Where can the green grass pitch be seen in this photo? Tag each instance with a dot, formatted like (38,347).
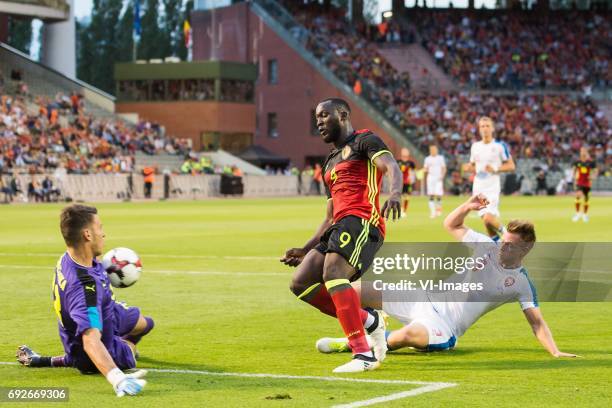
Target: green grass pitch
(221,303)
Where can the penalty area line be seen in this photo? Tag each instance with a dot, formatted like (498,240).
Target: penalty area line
(424,386)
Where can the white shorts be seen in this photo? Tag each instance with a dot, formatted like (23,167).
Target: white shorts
(441,337)
(435,187)
(493,207)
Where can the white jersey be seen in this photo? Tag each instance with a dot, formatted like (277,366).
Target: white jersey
(500,286)
(435,165)
(482,154)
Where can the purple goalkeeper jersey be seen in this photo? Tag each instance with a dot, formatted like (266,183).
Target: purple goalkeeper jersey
(82,299)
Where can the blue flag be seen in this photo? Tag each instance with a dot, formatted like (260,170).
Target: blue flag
(137,25)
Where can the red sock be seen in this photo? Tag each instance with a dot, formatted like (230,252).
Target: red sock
(319,297)
(577,203)
(586,207)
(348,311)
(405,205)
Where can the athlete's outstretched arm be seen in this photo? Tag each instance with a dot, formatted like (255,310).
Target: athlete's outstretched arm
(294,256)
(386,164)
(543,333)
(454,221)
(97,352)
(99,355)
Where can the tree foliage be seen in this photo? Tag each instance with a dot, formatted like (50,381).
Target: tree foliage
(109,37)
(20,33)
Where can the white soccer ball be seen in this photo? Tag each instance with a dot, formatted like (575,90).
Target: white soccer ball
(123,267)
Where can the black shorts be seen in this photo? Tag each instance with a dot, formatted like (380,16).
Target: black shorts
(585,190)
(355,239)
(407,189)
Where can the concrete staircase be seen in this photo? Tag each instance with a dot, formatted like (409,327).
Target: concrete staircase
(44,81)
(425,75)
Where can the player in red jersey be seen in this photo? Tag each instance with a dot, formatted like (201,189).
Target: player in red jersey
(344,246)
(584,172)
(407,166)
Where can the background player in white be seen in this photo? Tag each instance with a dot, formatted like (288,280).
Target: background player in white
(435,170)
(489,158)
(434,325)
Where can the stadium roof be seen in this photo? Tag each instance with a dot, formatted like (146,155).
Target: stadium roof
(43,9)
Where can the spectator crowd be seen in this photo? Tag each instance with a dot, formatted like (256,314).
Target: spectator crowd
(533,126)
(486,50)
(38,134)
(519,49)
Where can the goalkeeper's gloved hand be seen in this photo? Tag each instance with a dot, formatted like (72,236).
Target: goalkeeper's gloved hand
(130,384)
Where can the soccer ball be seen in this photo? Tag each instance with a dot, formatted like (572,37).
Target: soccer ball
(123,267)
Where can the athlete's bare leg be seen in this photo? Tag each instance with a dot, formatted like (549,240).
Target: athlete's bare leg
(413,335)
(308,272)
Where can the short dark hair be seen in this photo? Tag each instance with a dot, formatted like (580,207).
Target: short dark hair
(72,221)
(338,103)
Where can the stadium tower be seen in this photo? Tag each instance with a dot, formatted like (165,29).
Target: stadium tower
(58,35)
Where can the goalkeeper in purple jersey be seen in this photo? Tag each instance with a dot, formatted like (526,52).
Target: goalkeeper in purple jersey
(98,333)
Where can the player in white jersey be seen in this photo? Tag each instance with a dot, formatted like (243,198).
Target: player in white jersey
(435,170)
(489,158)
(434,324)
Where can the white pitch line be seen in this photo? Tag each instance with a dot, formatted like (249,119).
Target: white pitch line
(145,255)
(290,377)
(163,272)
(392,397)
(425,386)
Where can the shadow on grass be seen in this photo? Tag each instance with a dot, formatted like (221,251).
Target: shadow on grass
(148,362)
(480,358)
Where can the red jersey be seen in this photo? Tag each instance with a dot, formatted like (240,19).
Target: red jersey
(584,172)
(352,180)
(406,166)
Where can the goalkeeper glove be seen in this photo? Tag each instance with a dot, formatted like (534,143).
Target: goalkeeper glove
(130,384)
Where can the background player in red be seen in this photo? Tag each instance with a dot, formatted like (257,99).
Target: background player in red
(344,245)
(407,166)
(584,172)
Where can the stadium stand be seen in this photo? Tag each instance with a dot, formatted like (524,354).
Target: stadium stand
(40,134)
(50,124)
(519,49)
(534,124)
